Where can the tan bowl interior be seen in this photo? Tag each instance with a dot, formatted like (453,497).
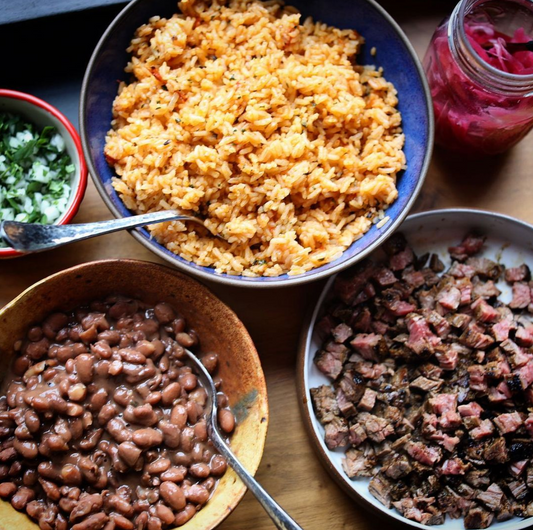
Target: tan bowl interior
(219,330)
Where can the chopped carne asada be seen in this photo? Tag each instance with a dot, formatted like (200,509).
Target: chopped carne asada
(431,392)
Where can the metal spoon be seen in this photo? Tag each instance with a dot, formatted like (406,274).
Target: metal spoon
(28,237)
(281,519)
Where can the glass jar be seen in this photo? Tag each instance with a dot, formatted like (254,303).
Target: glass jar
(482,95)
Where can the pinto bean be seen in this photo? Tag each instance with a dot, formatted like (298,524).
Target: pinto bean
(21,364)
(85,367)
(50,489)
(119,504)
(111,336)
(22,497)
(107,413)
(154,523)
(22,432)
(145,347)
(197,494)
(123,396)
(121,522)
(71,475)
(129,452)
(37,350)
(8,454)
(178,416)
(132,356)
(210,361)
(185,515)
(153,398)
(174,474)
(143,415)
(53,323)
(164,513)
(86,505)
(93,522)
(101,349)
(164,313)
(98,399)
(226,420)
(157,466)
(32,421)
(48,471)
(141,521)
(61,522)
(173,495)
(7,489)
(148,437)
(170,393)
(91,440)
(77,392)
(116,427)
(74,410)
(171,434)
(218,465)
(29,478)
(200,470)
(26,448)
(188,381)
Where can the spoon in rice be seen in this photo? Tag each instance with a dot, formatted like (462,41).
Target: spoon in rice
(281,519)
(29,237)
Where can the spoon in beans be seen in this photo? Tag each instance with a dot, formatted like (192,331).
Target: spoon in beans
(30,237)
(281,519)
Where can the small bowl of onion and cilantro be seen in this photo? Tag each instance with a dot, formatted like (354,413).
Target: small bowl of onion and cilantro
(43,175)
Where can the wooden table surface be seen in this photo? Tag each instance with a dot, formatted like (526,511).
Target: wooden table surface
(290,470)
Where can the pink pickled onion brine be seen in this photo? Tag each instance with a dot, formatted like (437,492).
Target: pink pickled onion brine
(489,44)
(469,117)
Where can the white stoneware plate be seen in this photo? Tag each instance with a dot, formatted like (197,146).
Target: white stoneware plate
(509,241)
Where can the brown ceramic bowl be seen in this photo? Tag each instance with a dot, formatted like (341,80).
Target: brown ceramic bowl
(219,330)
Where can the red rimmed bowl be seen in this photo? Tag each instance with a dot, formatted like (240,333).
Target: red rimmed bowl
(42,114)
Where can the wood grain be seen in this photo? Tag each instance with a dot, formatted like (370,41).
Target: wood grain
(290,470)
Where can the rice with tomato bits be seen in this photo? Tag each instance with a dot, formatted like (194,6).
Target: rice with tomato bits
(239,113)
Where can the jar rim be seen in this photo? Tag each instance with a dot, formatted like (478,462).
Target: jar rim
(457,19)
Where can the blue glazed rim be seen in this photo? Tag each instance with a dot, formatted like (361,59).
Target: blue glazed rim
(356,252)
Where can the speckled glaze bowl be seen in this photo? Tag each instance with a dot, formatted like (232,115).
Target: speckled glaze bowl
(394,54)
(219,330)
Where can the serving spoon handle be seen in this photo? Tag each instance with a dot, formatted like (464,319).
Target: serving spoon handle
(279,516)
(29,237)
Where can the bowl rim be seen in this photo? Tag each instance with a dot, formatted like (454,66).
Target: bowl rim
(260,282)
(304,342)
(81,187)
(261,428)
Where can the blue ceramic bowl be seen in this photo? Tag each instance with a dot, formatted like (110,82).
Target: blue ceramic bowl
(394,53)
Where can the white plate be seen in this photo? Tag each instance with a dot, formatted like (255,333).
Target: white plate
(509,241)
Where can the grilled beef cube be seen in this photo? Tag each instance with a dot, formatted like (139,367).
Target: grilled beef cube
(384,277)
(478,478)
(352,385)
(518,489)
(349,284)
(517,274)
(521,295)
(435,264)
(478,518)
(324,403)
(380,487)
(485,268)
(396,243)
(341,333)
(398,467)
(336,433)
(492,497)
(470,245)
(330,360)
(485,290)
(496,451)
(356,464)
